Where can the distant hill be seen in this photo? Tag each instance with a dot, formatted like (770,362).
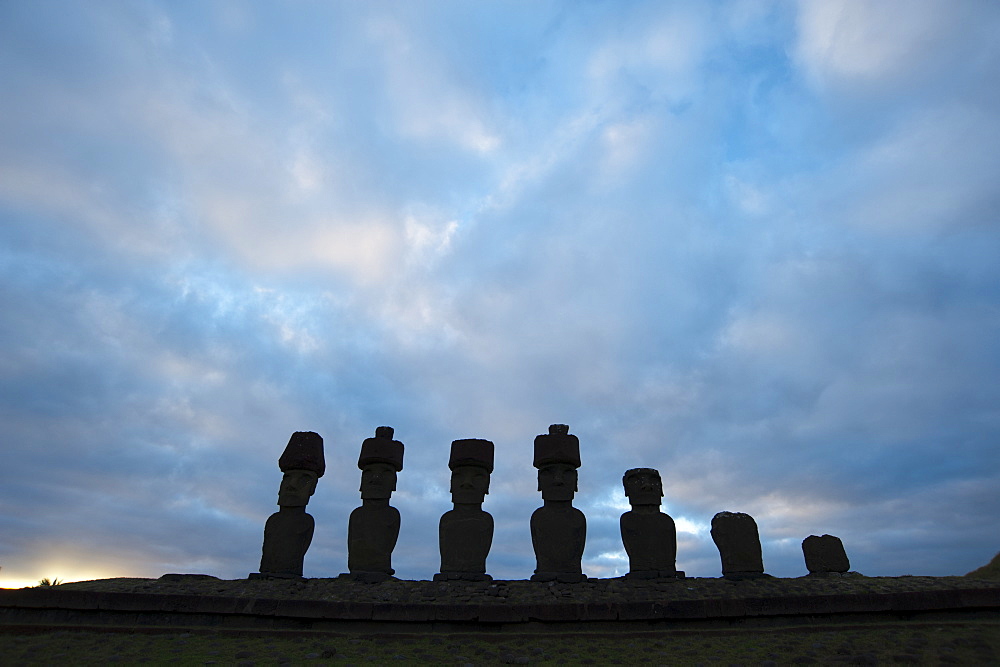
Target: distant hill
(989,571)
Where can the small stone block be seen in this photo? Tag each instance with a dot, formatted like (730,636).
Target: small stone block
(462,576)
(825,554)
(455,612)
(368,577)
(275,575)
(501,613)
(561,577)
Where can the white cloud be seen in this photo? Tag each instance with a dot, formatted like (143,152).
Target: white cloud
(938,169)
(428,239)
(750,199)
(626,146)
(306,170)
(661,51)
(427,103)
(763,334)
(540,161)
(691,527)
(860,43)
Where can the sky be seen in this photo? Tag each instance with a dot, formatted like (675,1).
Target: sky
(750,244)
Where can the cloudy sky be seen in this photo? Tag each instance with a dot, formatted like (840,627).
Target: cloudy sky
(752,244)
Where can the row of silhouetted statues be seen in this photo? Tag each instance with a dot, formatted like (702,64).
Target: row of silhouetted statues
(465,533)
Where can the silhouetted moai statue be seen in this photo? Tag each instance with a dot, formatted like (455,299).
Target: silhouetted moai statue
(825,555)
(466,532)
(649,535)
(289,531)
(735,534)
(558,530)
(374,527)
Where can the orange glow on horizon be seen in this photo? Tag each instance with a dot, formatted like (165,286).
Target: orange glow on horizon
(51,569)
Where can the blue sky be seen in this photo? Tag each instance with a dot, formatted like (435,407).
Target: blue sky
(750,244)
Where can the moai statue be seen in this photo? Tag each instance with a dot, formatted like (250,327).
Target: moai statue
(649,535)
(735,534)
(289,531)
(466,532)
(374,527)
(825,555)
(558,530)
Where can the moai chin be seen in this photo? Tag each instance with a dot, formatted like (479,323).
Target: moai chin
(558,530)
(289,531)
(735,534)
(825,555)
(374,527)
(649,535)
(465,533)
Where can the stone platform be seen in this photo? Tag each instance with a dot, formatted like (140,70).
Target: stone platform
(608,605)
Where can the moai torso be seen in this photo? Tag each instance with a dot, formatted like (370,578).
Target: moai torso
(287,536)
(650,540)
(558,535)
(465,535)
(289,531)
(371,537)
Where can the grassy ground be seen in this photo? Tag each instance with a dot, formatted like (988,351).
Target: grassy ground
(989,571)
(964,643)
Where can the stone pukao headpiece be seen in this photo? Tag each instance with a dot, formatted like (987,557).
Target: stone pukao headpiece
(558,446)
(382,449)
(471,452)
(304,451)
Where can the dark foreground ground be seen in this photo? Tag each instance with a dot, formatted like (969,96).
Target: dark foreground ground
(967,643)
(968,638)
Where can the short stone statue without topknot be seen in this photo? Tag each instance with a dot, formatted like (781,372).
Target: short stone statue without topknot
(374,527)
(558,530)
(738,540)
(649,535)
(465,533)
(289,531)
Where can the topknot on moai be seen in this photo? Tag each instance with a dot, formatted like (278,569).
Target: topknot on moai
(558,530)
(304,451)
(382,449)
(289,531)
(736,536)
(465,533)
(649,535)
(557,446)
(471,452)
(373,528)
(825,555)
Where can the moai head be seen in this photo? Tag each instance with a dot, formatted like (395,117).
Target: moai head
(471,463)
(557,456)
(303,464)
(643,486)
(381,458)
